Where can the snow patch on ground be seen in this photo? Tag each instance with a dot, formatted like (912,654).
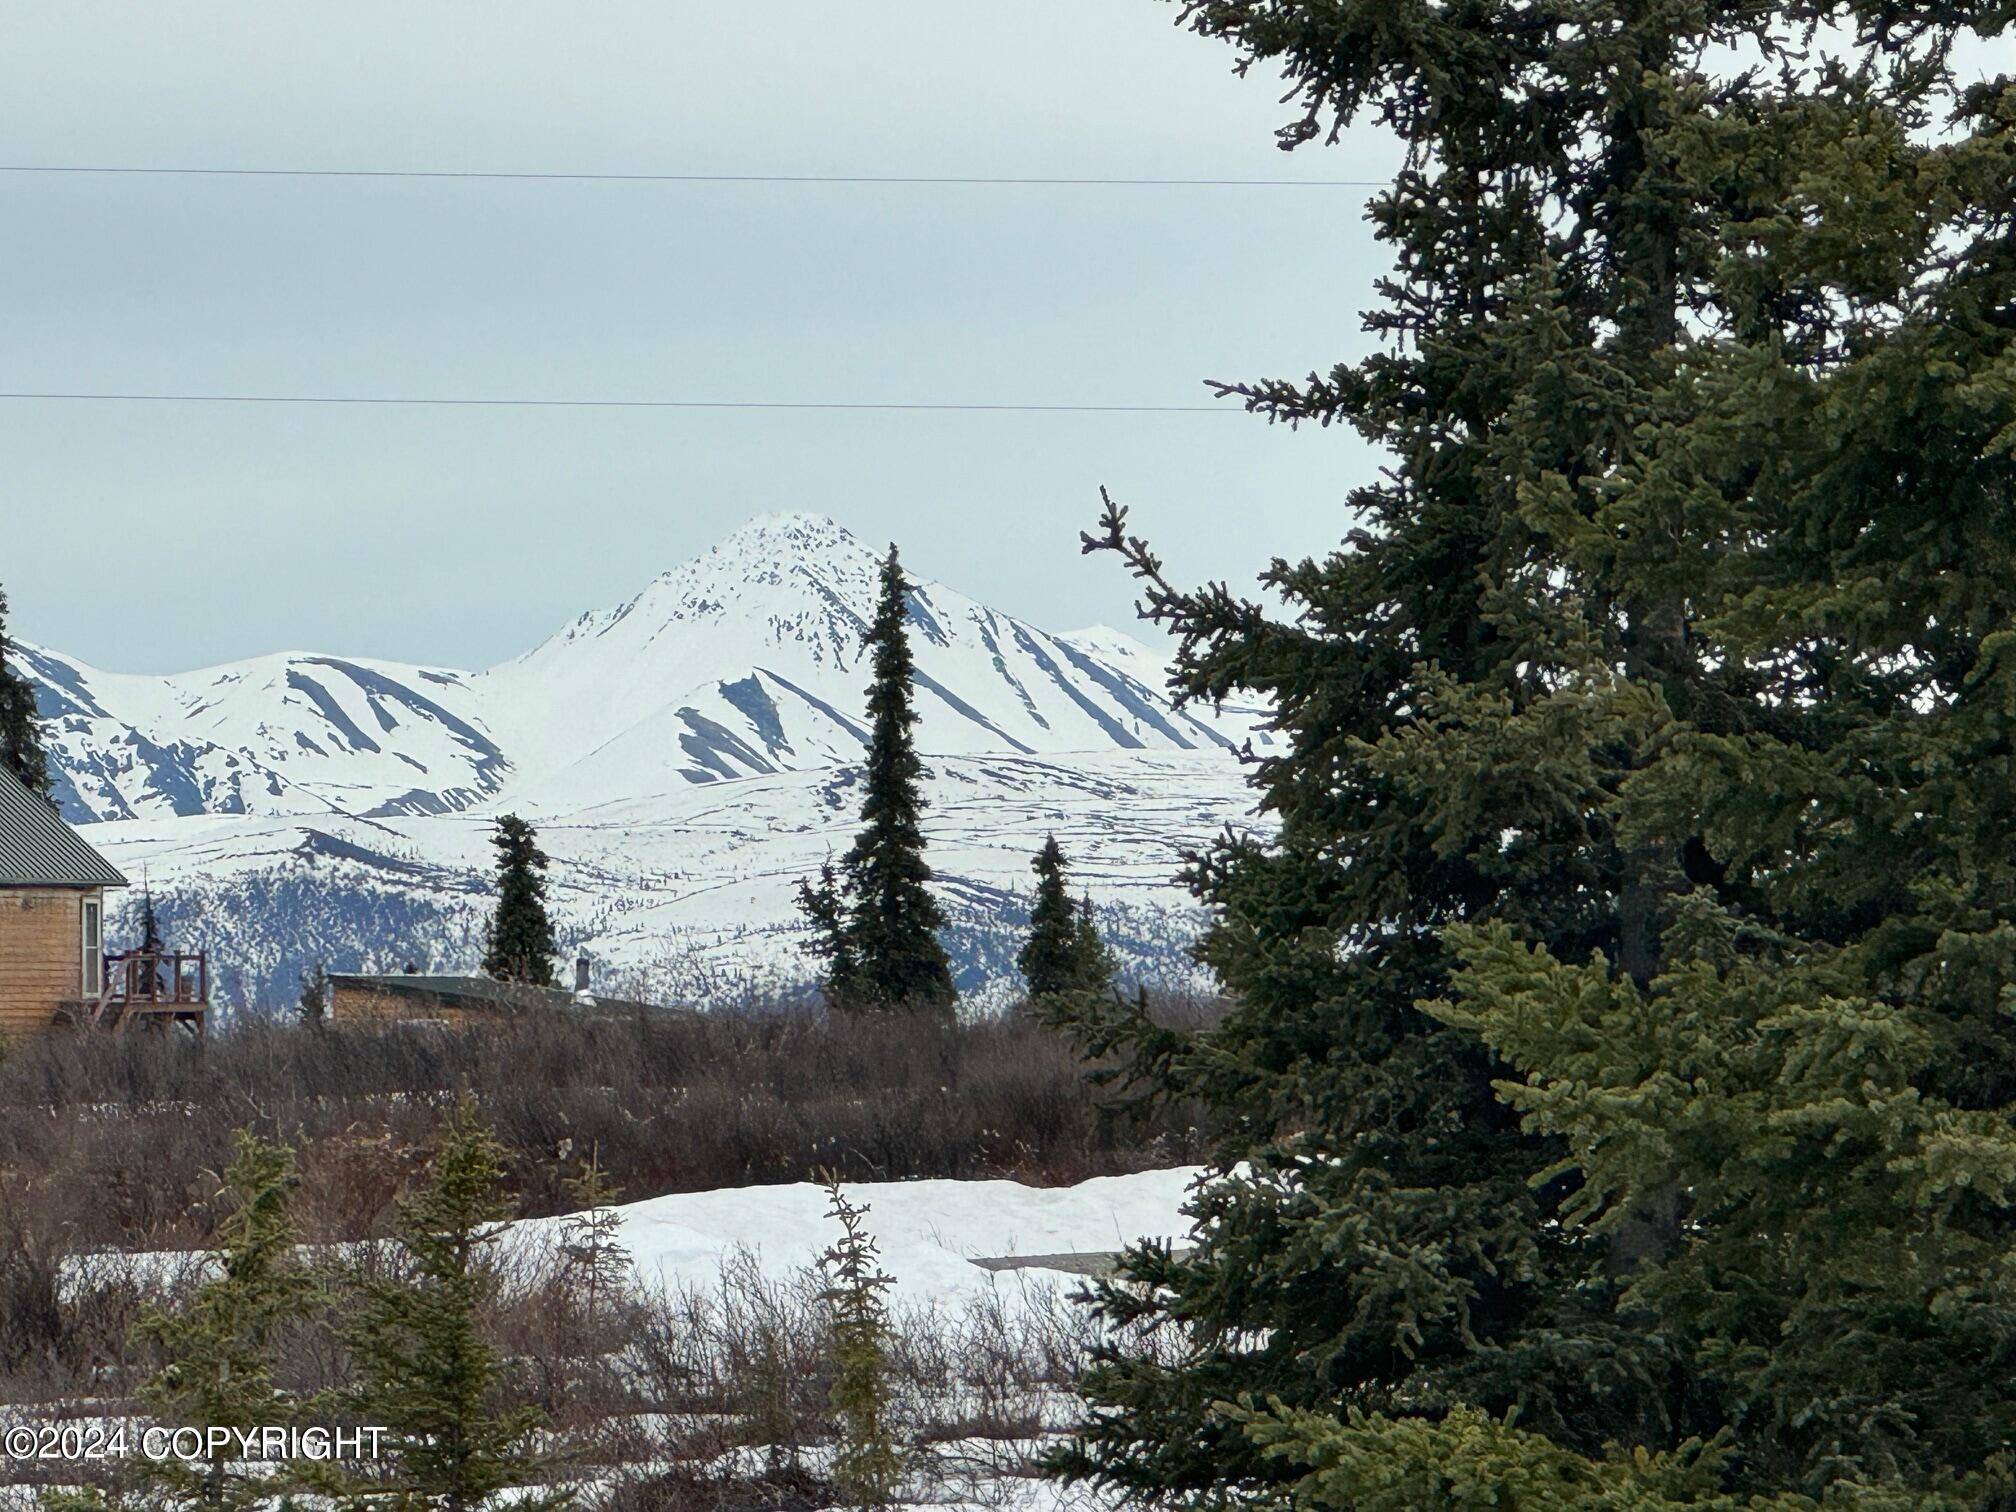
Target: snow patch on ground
(929,1233)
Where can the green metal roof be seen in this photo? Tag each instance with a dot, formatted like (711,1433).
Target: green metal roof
(37,849)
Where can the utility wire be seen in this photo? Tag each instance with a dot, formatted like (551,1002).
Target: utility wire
(666,404)
(705,178)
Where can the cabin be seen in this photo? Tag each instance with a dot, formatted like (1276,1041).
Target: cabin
(456,1002)
(54,968)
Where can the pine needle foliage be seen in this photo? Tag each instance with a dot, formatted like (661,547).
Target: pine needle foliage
(594,1260)
(1049,958)
(824,905)
(219,1350)
(868,1460)
(21,749)
(1063,952)
(1469,1462)
(877,922)
(427,1373)
(521,947)
(1620,1034)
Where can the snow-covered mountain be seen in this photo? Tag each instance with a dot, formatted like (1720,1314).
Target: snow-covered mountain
(743,662)
(685,753)
(285,734)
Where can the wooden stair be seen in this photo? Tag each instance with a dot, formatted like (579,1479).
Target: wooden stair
(153,989)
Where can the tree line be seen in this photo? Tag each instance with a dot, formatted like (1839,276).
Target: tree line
(874,922)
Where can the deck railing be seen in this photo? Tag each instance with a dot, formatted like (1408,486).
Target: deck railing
(179,977)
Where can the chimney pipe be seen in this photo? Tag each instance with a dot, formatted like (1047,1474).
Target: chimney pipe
(581,972)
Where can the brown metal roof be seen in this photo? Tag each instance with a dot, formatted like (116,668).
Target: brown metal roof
(37,849)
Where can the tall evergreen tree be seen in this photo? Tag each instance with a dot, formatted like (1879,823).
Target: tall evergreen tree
(1063,952)
(428,1375)
(521,947)
(594,1261)
(20,725)
(1049,958)
(887,941)
(1623,740)
(219,1349)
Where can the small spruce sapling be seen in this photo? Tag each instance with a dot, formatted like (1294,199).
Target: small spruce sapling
(593,1258)
(427,1373)
(868,1461)
(219,1350)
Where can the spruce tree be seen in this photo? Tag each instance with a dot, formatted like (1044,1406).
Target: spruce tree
(1050,957)
(1613,1054)
(868,1461)
(427,1373)
(1092,961)
(314,1000)
(150,922)
(594,1262)
(20,725)
(824,905)
(521,946)
(885,951)
(151,942)
(219,1349)
(1063,952)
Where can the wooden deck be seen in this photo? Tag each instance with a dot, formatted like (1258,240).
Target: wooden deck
(148,989)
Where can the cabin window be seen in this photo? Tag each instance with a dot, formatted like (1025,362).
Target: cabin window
(94,946)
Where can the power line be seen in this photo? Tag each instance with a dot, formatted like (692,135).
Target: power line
(704,178)
(664,404)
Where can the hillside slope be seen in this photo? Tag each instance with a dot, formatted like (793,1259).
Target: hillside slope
(687,757)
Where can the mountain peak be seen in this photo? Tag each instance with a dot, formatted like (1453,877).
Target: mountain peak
(791,534)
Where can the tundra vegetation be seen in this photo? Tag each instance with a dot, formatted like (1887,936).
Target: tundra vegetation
(528,1371)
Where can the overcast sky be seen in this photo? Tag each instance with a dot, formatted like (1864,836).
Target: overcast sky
(153,538)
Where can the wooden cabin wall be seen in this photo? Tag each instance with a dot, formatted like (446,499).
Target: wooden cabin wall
(41,954)
(354,1003)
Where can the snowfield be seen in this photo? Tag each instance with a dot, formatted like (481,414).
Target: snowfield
(929,1233)
(687,756)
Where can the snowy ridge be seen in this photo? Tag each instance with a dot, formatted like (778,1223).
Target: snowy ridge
(285,734)
(687,755)
(746,661)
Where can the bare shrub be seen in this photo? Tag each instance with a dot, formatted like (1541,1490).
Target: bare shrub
(122,1135)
